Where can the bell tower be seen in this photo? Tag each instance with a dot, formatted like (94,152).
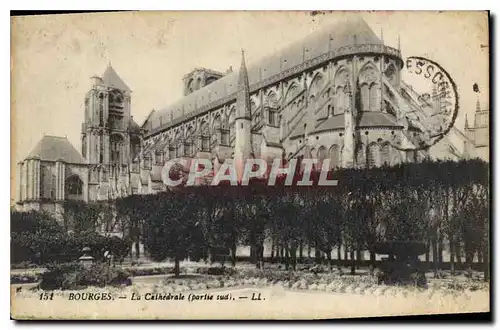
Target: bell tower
(105,138)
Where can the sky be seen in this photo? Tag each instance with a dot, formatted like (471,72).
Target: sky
(54,56)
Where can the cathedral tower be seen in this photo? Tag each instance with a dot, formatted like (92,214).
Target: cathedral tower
(105,131)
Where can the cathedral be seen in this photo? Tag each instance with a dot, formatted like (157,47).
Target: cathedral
(336,94)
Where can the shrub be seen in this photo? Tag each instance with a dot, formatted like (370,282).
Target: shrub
(23,278)
(75,276)
(23,265)
(216,271)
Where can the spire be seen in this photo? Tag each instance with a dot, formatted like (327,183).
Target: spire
(111,79)
(243,75)
(382,35)
(466,122)
(478,106)
(399,42)
(243,98)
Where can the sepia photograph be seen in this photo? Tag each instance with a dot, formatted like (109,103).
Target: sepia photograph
(250,165)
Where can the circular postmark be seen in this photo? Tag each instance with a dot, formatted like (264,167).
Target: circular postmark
(428,103)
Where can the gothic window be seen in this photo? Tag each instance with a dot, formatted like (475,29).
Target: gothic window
(171,152)
(101,149)
(158,157)
(73,187)
(147,161)
(53,187)
(188,148)
(360,156)
(205,137)
(365,97)
(116,146)
(374,96)
(190,87)
(390,71)
(335,156)
(272,117)
(224,137)
(340,81)
(373,155)
(386,154)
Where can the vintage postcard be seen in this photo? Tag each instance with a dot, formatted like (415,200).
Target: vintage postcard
(250,165)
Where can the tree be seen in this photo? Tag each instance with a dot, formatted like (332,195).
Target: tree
(172,230)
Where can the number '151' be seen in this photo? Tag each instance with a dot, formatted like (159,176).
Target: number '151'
(46,296)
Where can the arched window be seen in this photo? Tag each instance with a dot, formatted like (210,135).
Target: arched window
(335,161)
(375,101)
(360,156)
(373,156)
(190,87)
(340,81)
(365,97)
(386,154)
(322,155)
(158,157)
(116,149)
(147,161)
(395,156)
(205,137)
(73,187)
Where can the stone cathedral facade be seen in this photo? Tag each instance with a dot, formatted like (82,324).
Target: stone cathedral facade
(336,94)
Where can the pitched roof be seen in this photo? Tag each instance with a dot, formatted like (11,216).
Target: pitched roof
(111,79)
(334,122)
(377,119)
(342,33)
(53,148)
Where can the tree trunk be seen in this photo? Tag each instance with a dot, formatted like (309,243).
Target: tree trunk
(486,262)
(435,257)
(330,261)
(345,253)
(286,259)
(353,262)
(317,255)
(177,267)
(372,262)
(440,250)
(233,254)
(137,250)
(452,256)
(301,253)
(309,251)
(272,251)
(339,254)
(261,254)
(358,257)
(293,252)
(458,254)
